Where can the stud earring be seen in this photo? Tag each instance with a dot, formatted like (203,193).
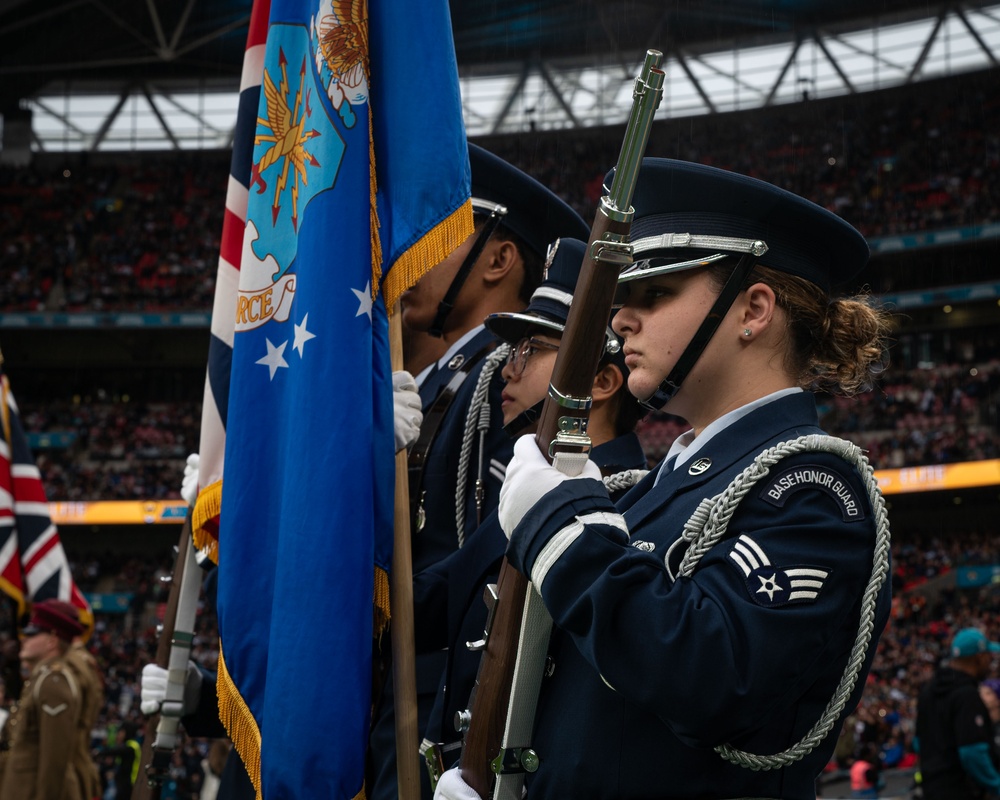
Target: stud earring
(747,332)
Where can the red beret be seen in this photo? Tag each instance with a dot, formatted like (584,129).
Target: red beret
(55,616)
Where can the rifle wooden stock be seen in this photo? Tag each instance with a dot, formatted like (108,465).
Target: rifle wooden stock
(146,787)
(572,378)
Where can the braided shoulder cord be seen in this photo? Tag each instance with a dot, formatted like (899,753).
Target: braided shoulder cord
(707,526)
(624,480)
(477,418)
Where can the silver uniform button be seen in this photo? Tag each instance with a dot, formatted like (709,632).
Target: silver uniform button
(456,362)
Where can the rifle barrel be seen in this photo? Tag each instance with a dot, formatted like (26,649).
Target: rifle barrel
(566,408)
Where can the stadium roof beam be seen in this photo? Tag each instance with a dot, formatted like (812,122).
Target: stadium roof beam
(960,13)
(159,116)
(539,90)
(557,92)
(835,64)
(784,71)
(922,58)
(515,92)
(109,120)
(682,61)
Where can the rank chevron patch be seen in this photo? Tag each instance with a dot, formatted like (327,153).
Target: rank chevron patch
(771,586)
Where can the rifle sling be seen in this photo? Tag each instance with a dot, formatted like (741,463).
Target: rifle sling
(435,415)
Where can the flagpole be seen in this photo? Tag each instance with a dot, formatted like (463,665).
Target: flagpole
(404,681)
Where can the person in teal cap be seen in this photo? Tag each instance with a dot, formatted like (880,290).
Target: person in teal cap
(954,732)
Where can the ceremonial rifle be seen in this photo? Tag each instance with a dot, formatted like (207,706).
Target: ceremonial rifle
(172,651)
(496,751)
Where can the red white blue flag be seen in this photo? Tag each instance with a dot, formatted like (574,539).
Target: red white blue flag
(359,182)
(215,409)
(33,564)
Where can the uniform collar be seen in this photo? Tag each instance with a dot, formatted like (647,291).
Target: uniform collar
(451,352)
(785,417)
(687,444)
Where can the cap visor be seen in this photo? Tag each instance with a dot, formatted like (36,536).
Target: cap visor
(512,327)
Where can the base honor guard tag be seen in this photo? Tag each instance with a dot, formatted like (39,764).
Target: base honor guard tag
(813,476)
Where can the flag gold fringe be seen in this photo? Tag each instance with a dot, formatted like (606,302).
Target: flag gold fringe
(242,727)
(380,602)
(14,593)
(239,722)
(430,249)
(206,510)
(4,389)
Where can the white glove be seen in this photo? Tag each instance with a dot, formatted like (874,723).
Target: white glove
(452,787)
(406,412)
(154,689)
(189,486)
(530,477)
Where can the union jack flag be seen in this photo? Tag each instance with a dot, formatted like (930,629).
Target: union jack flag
(215,409)
(33,564)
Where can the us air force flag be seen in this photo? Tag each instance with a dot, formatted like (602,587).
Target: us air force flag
(305,526)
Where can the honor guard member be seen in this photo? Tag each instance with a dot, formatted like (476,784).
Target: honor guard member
(457,463)
(453,588)
(724,614)
(43,732)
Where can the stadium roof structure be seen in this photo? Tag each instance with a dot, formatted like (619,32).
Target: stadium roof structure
(134,74)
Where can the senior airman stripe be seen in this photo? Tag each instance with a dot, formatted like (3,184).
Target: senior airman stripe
(771,586)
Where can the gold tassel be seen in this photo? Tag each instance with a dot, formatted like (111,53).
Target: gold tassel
(4,389)
(239,722)
(206,511)
(431,249)
(380,602)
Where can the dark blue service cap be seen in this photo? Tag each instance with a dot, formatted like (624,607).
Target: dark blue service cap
(550,303)
(536,214)
(684,211)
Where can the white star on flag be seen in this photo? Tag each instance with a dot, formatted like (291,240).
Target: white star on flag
(365,299)
(302,335)
(275,358)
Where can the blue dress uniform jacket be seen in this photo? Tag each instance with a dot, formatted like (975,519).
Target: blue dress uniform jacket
(438,537)
(651,674)
(234,783)
(453,590)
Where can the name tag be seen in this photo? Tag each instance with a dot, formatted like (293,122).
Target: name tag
(814,477)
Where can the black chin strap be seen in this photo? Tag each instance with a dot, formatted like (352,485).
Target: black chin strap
(448,302)
(524,420)
(672,383)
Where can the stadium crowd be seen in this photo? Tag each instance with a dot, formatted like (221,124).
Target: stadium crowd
(144,234)
(105,450)
(131,451)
